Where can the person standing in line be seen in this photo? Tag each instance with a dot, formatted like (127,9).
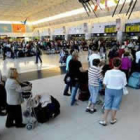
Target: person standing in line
(68,85)
(95,55)
(75,69)
(115,81)
(38,53)
(138,60)
(94,76)
(14,100)
(126,64)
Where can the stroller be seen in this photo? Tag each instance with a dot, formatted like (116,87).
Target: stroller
(40,108)
(29,113)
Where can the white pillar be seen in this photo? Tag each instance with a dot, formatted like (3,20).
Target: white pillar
(121,31)
(51,34)
(66,33)
(88,33)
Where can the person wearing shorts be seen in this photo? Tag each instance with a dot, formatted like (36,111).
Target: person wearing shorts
(94,76)
(115,81)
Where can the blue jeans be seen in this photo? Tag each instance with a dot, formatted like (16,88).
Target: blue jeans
(113,98)
(94,92)
(73,93)
(67,88)
(38,57)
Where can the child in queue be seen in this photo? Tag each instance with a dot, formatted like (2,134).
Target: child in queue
(94,76)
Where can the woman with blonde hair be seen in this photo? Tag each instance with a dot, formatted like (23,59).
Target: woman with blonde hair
(75,69)
(14,100)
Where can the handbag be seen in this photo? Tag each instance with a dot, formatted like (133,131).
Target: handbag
(67,79)
(125,91)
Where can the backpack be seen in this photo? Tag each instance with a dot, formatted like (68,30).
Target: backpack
(134,80)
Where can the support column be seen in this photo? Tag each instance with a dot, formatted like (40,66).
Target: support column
(66,33)
(51,34)
(120,32)
(88,32)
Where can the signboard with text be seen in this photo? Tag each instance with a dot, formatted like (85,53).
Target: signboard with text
(131,28)
(110,29)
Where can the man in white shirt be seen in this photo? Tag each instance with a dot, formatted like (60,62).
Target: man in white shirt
(95,55)
(137,56)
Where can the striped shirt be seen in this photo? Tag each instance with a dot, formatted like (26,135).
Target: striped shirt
(94,76)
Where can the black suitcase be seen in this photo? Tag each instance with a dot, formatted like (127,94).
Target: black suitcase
(84,92)
(83,89)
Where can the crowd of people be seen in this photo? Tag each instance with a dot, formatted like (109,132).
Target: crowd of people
(109,70)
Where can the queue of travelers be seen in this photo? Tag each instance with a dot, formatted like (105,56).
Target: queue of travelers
(118,61)
(121,60)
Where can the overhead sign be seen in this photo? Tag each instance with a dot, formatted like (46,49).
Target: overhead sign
(131,28)
(110,29)
(5,28)
(18,28)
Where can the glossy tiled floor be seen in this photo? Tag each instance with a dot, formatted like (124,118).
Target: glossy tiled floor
(73,123)
(28,64)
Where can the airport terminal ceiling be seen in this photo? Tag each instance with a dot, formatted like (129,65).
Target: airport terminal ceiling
(17,10)
(35,10)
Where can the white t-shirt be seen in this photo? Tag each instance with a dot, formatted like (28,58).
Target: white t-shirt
(92,57)
(137,56)
(115,79)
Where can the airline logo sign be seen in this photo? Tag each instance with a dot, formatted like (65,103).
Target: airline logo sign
(5,28)
(19,28)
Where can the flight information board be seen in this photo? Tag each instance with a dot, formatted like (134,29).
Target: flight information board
(110,29)
(131,28)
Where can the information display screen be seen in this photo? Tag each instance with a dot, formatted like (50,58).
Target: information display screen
(110,29)
(131,28)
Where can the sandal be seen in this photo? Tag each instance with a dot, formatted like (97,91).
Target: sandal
(103,123)
(113,121)
(92,111)
(87,110)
